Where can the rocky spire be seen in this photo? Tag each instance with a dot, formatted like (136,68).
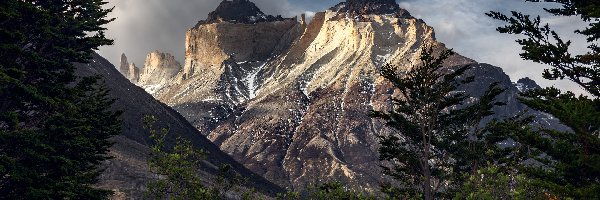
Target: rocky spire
(133,73)
(158,68)
(239,11)
(124,67)
(370,7)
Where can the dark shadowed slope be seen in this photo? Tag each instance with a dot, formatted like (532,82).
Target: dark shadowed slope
(127,173)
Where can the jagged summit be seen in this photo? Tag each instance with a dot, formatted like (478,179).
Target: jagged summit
(526,84)
(239,11)
(370,7)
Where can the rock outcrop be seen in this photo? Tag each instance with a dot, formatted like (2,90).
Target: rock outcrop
(133,73)
(290,101)
(358,8)
(222,57)
(526,83)
(158,70)
(124,67)
(238,11)
(129,71)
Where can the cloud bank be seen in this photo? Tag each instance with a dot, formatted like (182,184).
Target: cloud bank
(142,26)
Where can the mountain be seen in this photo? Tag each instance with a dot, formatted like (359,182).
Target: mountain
(128,173)
(158,69)
(238,11)
(130,71)
(290,100)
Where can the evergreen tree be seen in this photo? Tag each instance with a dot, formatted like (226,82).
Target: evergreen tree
(438,136)
(543,45)
(177,167)
(568,162)
(53,126)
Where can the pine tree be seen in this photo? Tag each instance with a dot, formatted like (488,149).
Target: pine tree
(543,45)
(177,167)
(53,126)
(568,162)
(438,136)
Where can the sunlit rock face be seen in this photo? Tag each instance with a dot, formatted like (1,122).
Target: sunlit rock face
(290,100)
(159,70)
(129,71)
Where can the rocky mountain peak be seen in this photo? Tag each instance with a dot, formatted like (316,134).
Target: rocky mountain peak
(159,68)
(157,59)
(124,67)
(291,100)
(133,73)
(369,7)
(526,83)
(239,11)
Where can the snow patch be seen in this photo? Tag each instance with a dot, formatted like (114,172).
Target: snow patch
(153,89)
(251,80)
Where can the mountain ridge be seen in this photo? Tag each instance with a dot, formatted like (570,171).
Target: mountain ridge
(295,111)
(127,173)
(238,11)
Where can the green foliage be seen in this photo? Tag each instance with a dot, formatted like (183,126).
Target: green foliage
(335,191)
(178,165)
(288,196)
(567,163)
(493,183)
(438,135)
(393,193)
(53,126)
(326,191)
(229,180)
(177,168)
(543,45)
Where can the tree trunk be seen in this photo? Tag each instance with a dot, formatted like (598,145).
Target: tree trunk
(427,193)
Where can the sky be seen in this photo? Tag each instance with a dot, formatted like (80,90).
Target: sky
(142,26)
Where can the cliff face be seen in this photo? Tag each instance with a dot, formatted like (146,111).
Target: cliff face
(309,119)
(222,57)
(290,101)
(158,70)
(133,73)
(124,67)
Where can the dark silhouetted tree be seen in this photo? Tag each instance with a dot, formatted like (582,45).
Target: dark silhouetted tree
(438,135)
(568,162)
(54,127)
